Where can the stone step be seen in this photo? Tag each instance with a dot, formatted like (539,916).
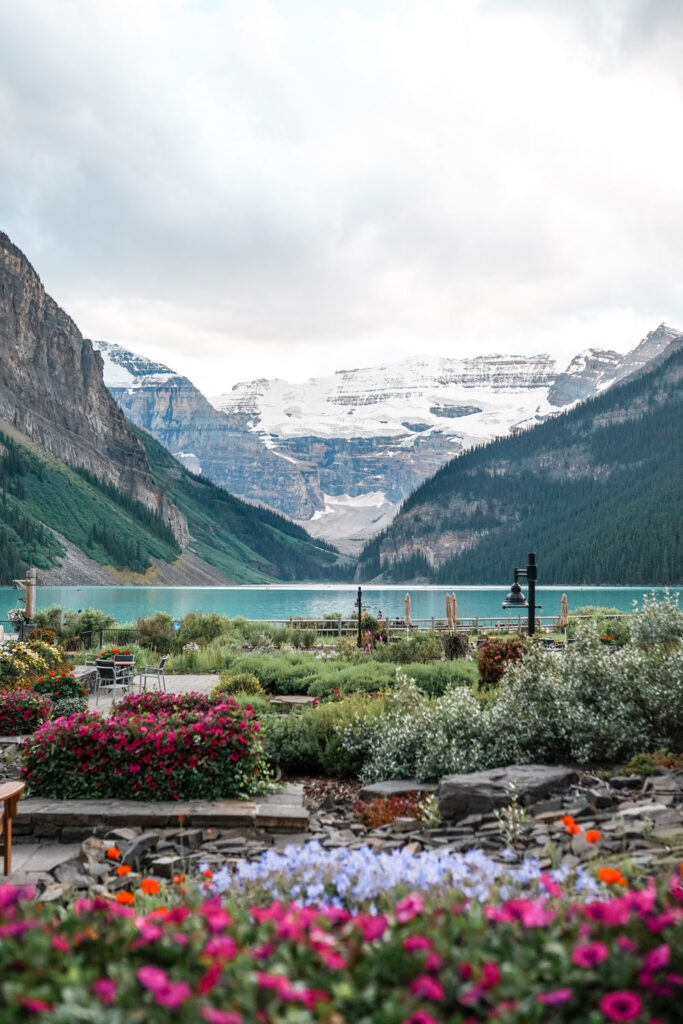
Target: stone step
(282,812)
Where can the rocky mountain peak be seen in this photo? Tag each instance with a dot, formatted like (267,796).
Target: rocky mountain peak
(52,390)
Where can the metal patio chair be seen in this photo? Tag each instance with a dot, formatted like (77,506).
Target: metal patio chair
(154,672)
(111,677)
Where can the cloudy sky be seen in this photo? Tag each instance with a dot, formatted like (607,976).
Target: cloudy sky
(286,188)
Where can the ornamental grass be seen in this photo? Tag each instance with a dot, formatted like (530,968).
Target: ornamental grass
(173,754)
(171,956)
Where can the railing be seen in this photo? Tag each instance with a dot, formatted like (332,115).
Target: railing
(123,636)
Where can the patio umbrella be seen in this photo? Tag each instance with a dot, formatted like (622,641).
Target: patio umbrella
(564,615)
(454,610)
(449,612)
(564,612)
(406,613)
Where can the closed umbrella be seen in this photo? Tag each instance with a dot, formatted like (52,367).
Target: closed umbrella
(449,612)
(454,610)
(564,615)
(406,613)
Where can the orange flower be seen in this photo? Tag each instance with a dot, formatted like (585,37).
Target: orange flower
(150,886)
(125,898)
(208,873)
(593,836)
(123,869)
(572,828)
(567,820)
(611,876)
(181,820)
(681,868)
(113,853)
(178,879)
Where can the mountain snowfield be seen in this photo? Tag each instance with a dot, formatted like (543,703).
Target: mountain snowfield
(339,453)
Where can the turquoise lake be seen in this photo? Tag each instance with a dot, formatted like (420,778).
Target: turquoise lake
(125,604)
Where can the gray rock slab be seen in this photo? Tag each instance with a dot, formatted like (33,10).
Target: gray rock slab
(480,792)
(396,787)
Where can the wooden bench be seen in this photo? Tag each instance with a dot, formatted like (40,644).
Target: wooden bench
(10,792)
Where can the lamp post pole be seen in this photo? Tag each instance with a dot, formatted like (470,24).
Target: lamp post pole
(532,575)
(359,602)
(515,599)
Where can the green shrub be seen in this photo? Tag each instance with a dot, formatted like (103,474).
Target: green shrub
(418,647)
(90,620)
(50,618)
(607,621)
(310,743)
(233,682)
(156,632)
(201,628)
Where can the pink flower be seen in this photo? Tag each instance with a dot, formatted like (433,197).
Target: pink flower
(34,1005)
(427,988)
(420,1017)
(590,954)
(621,1006)
(550,885)
(222,947)
(657,959)
(433,962)
(409,907)
(557,996)
(490,975)
(173,994)
(104,989)
(152,978)
(372,926)
(213,1016)
(59,942)
(416,943)
(628,945)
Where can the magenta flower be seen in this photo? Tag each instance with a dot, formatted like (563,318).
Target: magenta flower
(213,1016)
(104,989)
(409,907)
(152,978)
(172,994)
(372,926)
(657,959)
(427,988)
(417,943)
(490,975)
(590,954)
(621,1006)
(420,1017)
(554,998)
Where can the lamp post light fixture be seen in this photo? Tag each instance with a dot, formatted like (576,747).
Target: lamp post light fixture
(516,599)
(359,603)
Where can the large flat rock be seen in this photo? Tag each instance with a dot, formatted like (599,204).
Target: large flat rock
(396,787)
(481,792)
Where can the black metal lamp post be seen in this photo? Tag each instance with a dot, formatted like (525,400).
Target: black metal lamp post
(359,602)
(516,599)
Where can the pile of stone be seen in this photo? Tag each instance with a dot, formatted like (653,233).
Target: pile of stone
(639,818)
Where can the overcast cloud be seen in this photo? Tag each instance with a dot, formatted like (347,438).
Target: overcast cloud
(287,188)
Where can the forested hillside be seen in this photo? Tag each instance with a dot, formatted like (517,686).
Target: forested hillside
(596,492)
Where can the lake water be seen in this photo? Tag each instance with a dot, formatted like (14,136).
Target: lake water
(280,602)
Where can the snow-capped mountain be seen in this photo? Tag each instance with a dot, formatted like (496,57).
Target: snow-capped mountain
(340,453)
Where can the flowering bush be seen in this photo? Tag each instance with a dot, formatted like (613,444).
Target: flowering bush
(24,660)
(22,711)
(384,810)
(519,960)
(65,692)
(169,755)
(156,702)
(109,652)
(496,653)
(237,682)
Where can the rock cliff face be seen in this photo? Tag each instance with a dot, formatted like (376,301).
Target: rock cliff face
(340,453)
(52,390)
(205,440)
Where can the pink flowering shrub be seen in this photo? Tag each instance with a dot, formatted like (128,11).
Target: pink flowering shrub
(156,702)
(22,711)
(202,960)
(174,754)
